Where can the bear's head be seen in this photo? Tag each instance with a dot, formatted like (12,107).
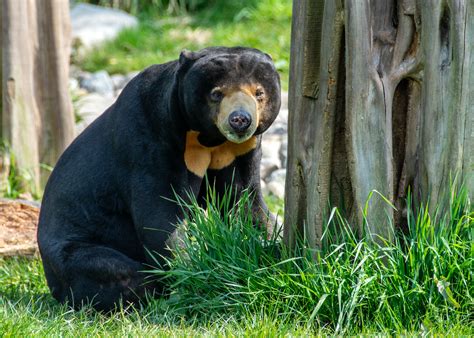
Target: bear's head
(228,93)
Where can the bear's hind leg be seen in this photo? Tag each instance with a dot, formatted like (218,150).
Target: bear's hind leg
(100,276)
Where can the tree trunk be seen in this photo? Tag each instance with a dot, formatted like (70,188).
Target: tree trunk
(381,98)
(37,115)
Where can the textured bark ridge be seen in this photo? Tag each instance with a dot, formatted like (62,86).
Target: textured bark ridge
(37,119)
(381,98)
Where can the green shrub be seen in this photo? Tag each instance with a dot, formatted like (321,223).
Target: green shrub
(420,283)
(13,181)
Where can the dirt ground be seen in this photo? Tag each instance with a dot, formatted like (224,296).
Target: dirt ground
(18,220)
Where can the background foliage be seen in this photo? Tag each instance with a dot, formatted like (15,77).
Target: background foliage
(167,27)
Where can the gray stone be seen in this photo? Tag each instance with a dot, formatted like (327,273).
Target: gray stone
(73,84)
(270,155)
(283,116)
(280,125)
(119,81)
(263,187)
(99,82)
(284,101)
(278,176)
(92,25)
(81,75)
(276,183)
(127,78)
(271,145)
(131,75)
(267,167)
(276,189)
(277,128)
(89,107)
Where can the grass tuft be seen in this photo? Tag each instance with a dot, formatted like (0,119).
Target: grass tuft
(420,282)
(227,278)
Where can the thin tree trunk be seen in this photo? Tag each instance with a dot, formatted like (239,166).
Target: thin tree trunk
(37,116)
(57,116)
(391,106)
(20,111)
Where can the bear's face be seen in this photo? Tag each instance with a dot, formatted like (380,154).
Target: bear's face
(228,93)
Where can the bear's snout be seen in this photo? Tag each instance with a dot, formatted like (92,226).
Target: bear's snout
(240,120)
(238,115)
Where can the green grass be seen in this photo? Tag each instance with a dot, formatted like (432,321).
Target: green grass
(27,309)
(160,37)
(275,204)
(229,280)
(18,183)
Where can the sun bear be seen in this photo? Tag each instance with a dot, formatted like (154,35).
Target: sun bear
(109,201)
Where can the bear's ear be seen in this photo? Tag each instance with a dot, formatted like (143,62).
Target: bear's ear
(186,56)
(268,56)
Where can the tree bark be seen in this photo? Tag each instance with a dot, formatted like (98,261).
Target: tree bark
(313,106)
(390,107)
(37,116)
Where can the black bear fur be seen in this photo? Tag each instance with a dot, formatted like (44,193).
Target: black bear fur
(106,204)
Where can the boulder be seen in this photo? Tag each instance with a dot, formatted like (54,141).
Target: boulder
(267,167)
(276,189)
(89,107)
(99,82)
(276,183)
(92,25)
(119,81)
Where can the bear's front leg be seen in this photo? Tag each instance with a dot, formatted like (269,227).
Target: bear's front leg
(155,209)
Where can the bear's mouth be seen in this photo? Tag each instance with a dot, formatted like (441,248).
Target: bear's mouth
(238,116)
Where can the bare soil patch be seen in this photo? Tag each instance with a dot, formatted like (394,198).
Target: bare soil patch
(18,221)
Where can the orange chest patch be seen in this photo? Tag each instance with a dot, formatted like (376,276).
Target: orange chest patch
(199,158)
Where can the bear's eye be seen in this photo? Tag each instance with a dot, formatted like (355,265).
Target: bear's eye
(216,95)
(259,93)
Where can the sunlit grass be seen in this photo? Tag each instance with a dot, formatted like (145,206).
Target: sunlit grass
(421,282)
(160,37)
(227,278)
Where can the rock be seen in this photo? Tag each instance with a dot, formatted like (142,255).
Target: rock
(99,82)
(74,71)
(130,76)
(127,78)
(80,75)
(270,155)
(267,167)
(280,125)
(73,84)
(271,145)
(283,116)
(277,128)
(89,107)
(92,25)
(278,176)
(284,101)
(119,81)
(276,183)
(276,189)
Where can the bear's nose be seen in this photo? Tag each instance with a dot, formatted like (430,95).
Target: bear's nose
(240,120)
